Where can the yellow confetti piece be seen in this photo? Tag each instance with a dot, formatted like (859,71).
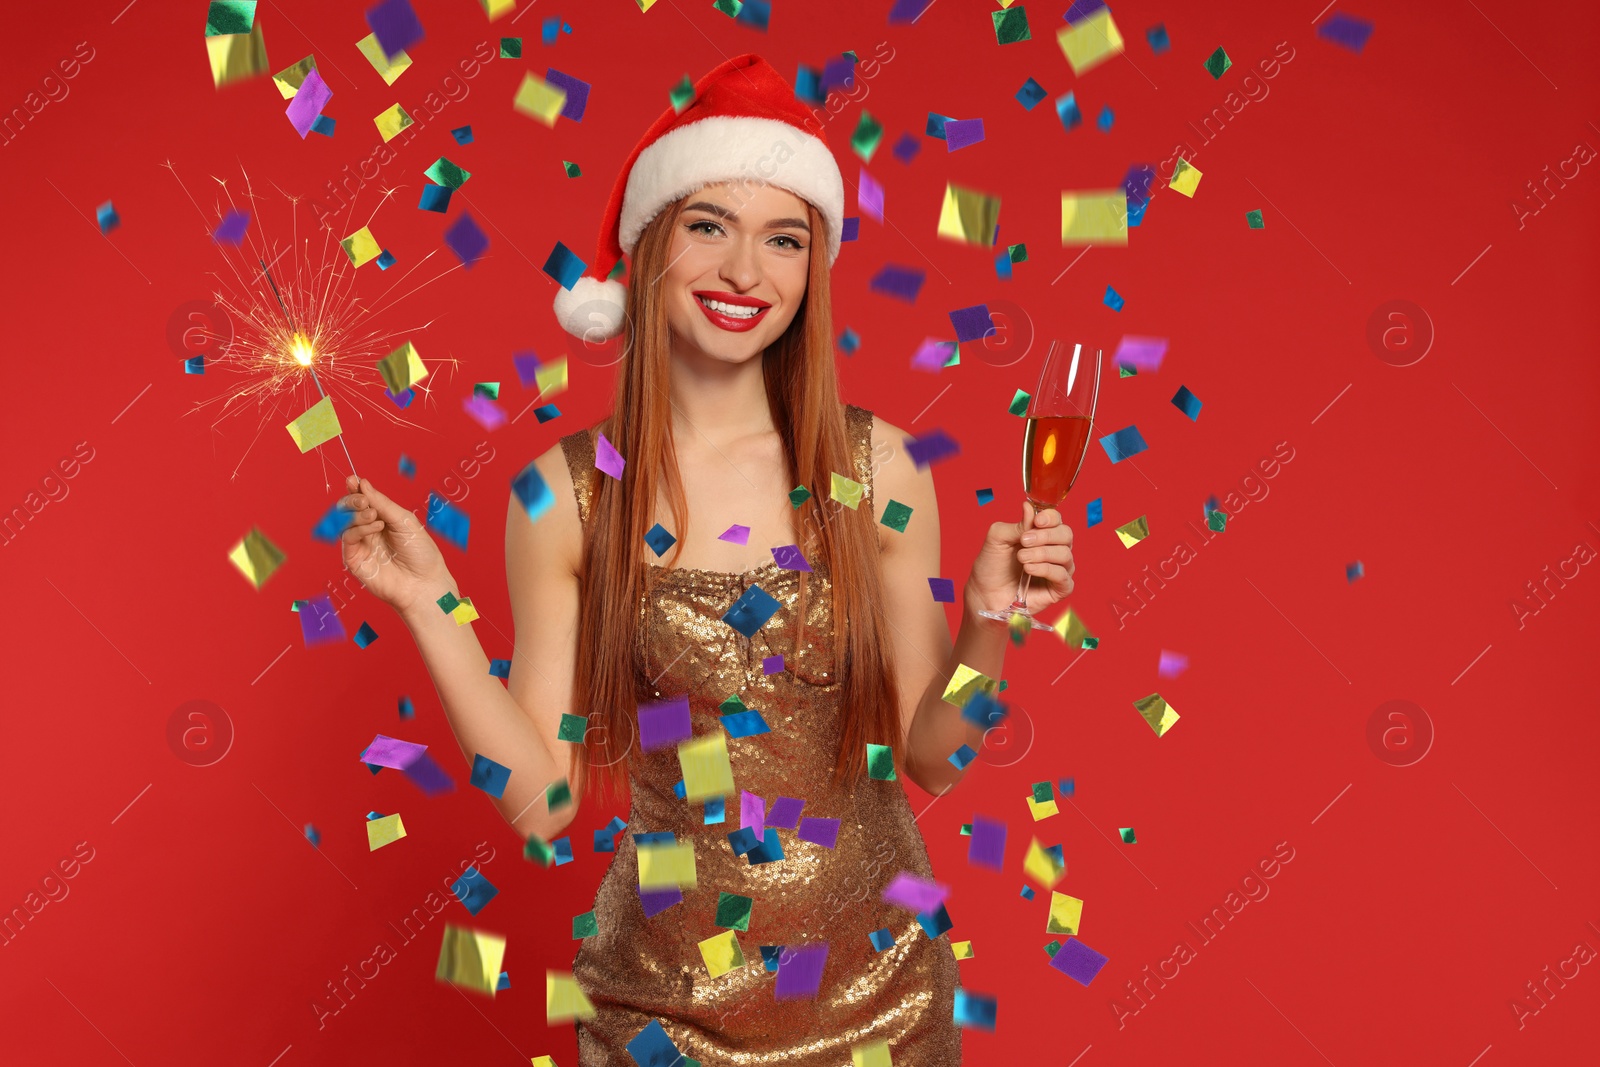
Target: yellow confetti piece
(962,950)
(1070,628)
(289,79)
(402,368)
(319,423)
(384,831)
(706,770)
(464,612)
(361,247)
(966,681)
(1041,866)
(1185,178)
(1094,217)
(494,9)
(563,1000)
(391,122)
(1089,42)
(470,959)
(1066,913)
(388,68)
(538,99)
(544,1061)
(1042,810)
(256,557)
(968,215)
(236,57)
(722,953)
(1131,533)
(845,491)
(667,865)
(872,1054)
(1157,712)
(645,5)
(551,378)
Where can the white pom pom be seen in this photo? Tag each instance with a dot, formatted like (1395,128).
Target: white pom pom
(592,309)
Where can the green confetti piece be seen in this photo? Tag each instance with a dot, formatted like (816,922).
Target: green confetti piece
(1018,253)
(488,389)
(1217,520)
(880,762)
(896,515)
(1043,792)
(571,168)
(616,271)
(573,727)
(558,794)
(1127,835)
(733,911)
(585,925)
(448,603)
(868,135)
(511,48)
(1255,220)
(1091,642)
(732,706)
(1010,26)
(539,850)
(966,829)
(1019,404)
(682,94)
(1125,371)
(1052,948)
(444,172)
(799,495)
(729,7)
(1218,62)
(230,16)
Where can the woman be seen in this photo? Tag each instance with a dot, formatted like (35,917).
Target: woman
(726,401)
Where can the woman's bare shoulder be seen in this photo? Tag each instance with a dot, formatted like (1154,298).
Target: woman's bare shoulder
(559,529)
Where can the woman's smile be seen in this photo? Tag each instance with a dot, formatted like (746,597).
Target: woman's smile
(730,311)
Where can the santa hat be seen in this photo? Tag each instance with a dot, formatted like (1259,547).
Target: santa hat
(744,123)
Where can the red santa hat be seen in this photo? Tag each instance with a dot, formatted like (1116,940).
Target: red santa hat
(744,123)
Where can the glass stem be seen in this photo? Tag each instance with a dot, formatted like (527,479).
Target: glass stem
(1023,584)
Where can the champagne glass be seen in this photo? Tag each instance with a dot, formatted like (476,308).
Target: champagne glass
(1060,421)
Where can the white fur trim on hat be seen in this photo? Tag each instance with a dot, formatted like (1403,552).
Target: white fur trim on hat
(730,148)
(592,309)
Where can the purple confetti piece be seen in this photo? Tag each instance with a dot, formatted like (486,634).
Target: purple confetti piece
(988,845)
(869,196)
(577,94)
(824,832)
(308,102)
(396,26)
(752,812)
(466,240)
(800,971)
(837,73)
(908,10)
(664,722)
(915,893)
(527,364)
(1082,9)
(902,282)
(607,458)
(932,354)
(959,133)
(1143,353)
(931,447)
(772,664)
(944,590)
(392,752)
(232,228)
(1172,664)
(1346,31)
(790,558)
(484,412)
(319,623)
(1078,961)
(739,535)
(429,777)
(785,812)
(656,901)
(972,323)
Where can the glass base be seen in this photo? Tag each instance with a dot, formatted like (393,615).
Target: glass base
(1005,616)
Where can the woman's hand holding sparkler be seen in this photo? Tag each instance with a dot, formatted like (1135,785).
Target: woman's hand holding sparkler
(391,553)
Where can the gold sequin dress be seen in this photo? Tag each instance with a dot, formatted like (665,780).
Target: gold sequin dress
(638,969)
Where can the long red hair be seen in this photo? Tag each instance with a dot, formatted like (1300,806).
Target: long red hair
(803,396)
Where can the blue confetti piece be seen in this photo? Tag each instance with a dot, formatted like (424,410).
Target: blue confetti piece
(1067,111)
(466,240)
(881,939)
(462,134)
(195,365)
(1002,265)
(770,955)
(974,1009)
(756,13)
(500,668)
(1106,118)
(435,198)
(565,267)
(1113,299)
(407,709)
(944,590)
(533,492)
(1030,94)
(743,840)
(1067,786)
(849,342)
(448,521)
(716,810)
(489,776)
(334,522)
(936,123)
(503,982)
(106,215)
(1122,444)
(1027,892)
(934,923)
(563,850)
(1157,36)
(313,836)
(385,261)
(545,412)
(751,611)
(1095,513)
(962,756)
(473,890)
(656,837)
(366,635)
(679,790)
(808,86)
(745,723)
(651,1047)
(1353,571)
(983,710)
(1187,403)
(985,496)
(408,466)
(659,539)
(770,850)
(324,124)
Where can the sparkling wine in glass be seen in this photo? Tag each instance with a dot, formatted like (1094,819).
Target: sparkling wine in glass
(1060,422)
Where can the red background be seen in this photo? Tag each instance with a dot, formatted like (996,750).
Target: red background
(1416,906)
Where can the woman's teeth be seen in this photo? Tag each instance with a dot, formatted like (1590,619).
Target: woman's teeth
(733,311)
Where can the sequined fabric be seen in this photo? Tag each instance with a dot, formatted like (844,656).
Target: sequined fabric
(637,969)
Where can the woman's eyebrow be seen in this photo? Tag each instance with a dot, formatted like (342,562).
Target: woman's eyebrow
(727,213)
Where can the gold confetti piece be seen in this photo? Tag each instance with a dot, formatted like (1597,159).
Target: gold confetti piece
(289,79)
(1066,914)
(1133,532)
(384,831)
(538,99)
(1041,866)
(1094,217)
(1185,178)
(388,68)
(1070,628)
(361,247)
(722,953)
(464,612)
(470,959)
(846,492)
(563,999)
(962,950)
(706,770)
(494,9)
(1157,712)
(872,1054)
(319,423)
(667,865)
(391,122)
(966,681)
(544,1061)
(968,215)
(237,57)
(256,557)
(551,377)
(1089,42)
(402,368)
(1042,810)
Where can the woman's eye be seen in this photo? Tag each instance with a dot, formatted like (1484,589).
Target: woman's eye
(794,244)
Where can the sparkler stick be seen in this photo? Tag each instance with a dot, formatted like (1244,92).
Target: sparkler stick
(304,354)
